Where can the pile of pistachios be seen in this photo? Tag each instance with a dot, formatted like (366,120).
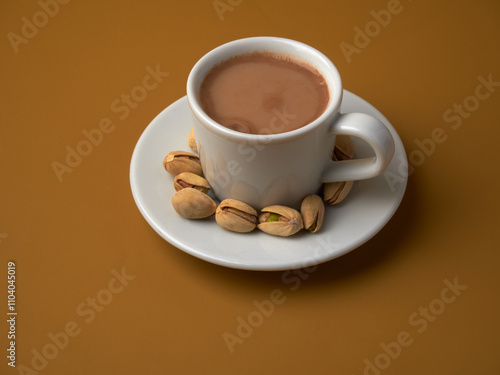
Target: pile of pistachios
(191,200)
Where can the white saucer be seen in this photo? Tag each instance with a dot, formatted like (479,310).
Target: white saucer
(368,207)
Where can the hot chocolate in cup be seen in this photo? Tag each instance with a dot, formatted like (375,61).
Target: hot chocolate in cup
(267,112)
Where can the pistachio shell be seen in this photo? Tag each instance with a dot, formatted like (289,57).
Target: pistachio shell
(190,180)
(193,204)
(312,210)
(344,148)
(181,161)
(236,216)
(280,220)
(192,141)
(335,192)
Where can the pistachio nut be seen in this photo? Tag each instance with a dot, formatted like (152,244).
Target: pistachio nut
(335,192)
(312,210)
(192,141)
(280,220)
(236,216)
(191,180)
(181,161)
(193,204)
(344,148)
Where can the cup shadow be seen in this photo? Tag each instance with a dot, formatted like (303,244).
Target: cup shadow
(378,250)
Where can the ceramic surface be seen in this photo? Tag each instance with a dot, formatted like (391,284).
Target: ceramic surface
(365,211)
(282,168)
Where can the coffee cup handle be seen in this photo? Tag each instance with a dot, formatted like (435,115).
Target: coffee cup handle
(375,133)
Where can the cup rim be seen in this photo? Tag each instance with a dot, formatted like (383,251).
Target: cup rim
(245,45)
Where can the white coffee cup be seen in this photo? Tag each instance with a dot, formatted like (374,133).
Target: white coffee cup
(267,169)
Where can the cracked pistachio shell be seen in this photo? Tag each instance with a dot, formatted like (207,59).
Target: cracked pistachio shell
(192,141)
(312,210)
(190,180)
(335,192)
(236,216)
(280,221)
(193,204)
(344,148)
(182,161)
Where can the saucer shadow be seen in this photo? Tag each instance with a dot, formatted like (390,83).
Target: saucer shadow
(379,249)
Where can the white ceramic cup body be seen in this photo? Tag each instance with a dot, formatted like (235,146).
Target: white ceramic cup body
(282,168)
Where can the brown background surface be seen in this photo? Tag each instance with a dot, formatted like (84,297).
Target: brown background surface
(66,237)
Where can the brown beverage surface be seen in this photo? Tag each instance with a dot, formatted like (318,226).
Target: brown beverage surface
(264,93)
